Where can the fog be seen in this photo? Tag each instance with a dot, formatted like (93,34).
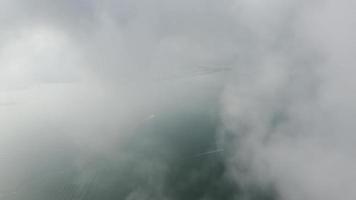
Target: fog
(232,99)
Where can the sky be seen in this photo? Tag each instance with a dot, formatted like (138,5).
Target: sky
(115,99)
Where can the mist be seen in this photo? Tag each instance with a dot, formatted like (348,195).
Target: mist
(170,100)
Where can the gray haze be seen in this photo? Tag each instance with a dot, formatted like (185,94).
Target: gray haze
(118,99)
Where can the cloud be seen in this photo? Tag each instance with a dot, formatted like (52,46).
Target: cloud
(287,107)
(87,76)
